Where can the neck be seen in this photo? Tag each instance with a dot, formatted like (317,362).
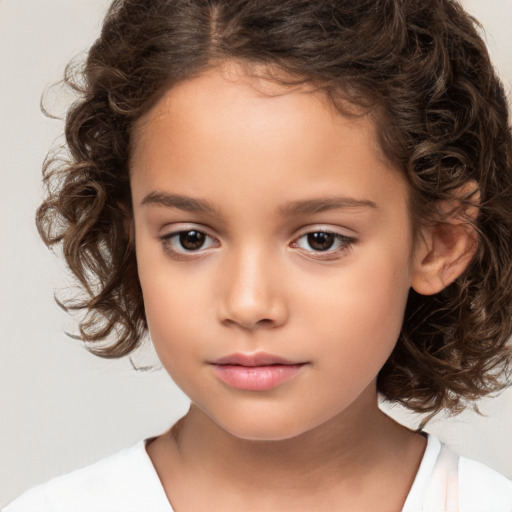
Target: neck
(339,450)
(359,458)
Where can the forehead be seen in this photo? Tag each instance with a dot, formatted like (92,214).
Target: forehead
(252,96)
(226,127)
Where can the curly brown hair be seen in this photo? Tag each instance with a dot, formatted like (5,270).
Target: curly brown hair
(442,119)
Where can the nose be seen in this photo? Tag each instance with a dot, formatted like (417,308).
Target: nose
(252,295)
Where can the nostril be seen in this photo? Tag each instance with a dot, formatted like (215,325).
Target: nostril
(264,322)
(259,324)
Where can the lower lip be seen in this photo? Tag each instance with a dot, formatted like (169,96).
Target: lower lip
(256,378)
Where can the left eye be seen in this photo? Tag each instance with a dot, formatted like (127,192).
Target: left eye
(322,241)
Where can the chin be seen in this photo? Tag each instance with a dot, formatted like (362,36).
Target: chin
(264,434)
(266,429)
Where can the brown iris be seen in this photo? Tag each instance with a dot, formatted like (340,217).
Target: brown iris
(321,241)
(192,240)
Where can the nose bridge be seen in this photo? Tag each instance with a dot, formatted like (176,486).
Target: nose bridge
(253,295)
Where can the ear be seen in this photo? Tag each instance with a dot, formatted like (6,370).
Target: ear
(445,248)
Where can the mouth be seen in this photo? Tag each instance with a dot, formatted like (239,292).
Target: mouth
(255,372)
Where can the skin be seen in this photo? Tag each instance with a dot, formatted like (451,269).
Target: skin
(251,149)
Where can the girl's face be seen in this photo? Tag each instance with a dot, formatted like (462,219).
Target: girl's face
(274,252)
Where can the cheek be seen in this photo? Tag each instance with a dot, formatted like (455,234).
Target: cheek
(361,313)
(175,308)
(171,300)
(174,329)
(177,314)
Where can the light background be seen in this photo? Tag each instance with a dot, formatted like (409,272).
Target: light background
(60,407)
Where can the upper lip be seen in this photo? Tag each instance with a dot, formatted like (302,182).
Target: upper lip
(259,359)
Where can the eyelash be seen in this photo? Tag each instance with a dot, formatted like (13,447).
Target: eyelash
(344,243)
(168,245)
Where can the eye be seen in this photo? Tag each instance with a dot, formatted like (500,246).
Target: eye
(188,241)
(323,242)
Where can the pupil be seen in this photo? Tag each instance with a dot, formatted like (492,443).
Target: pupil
(321,241)
(192,240)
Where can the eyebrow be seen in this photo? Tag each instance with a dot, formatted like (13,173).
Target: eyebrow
(189,204)
(311,206)
(289,209)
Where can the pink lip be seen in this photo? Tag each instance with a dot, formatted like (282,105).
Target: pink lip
(255,372)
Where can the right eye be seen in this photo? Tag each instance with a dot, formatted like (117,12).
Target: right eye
(188,241)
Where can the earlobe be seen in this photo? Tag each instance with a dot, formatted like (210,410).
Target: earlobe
(445,249)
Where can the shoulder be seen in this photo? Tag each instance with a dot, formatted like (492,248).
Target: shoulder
(125,481)
(483,488)
(446,481)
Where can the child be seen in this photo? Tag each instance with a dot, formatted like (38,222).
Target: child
(304,203)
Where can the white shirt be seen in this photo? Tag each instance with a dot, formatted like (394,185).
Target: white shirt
(128,482)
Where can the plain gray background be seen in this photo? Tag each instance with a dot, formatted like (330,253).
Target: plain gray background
(60,407)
